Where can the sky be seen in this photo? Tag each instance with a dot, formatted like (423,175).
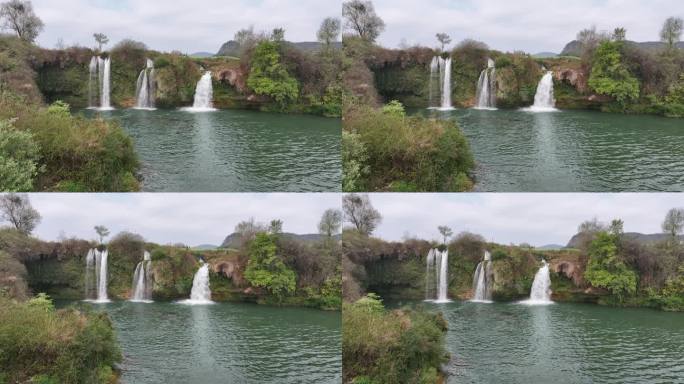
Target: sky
(530,25)
(185,25)
(191,219)
(504,218)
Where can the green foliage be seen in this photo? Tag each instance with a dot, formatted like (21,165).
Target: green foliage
(41,302)
(19,155)
(59,109)
(402,346)
(606,269)
(48,346)
(674,101)
(394,108)
(354,166)
(610,76)
(268,76)
(265,269)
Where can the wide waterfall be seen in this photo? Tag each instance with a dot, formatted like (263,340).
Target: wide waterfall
(102,69)
(436,276)
(440,78)
(145,88)
(544,100)
(482,280)
(96,276)
(486,88)
(204,95)
(200,293)
(541,287)
(142,280)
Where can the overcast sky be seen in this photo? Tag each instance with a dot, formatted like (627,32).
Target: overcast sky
(537,219)
(530,25)
(191,219)
(185,25)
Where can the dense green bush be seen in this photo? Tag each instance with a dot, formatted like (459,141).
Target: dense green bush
(401,346)
(265,269)
(268,76)
(18,158)
(610,76)
(40,344)
(392,152)
(607,270)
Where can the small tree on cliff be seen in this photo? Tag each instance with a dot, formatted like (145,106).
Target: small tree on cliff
(330,223)
(101,40)
(446,232)
(17,209)
(268,76)
(672,31)
(620,34)
(361,19)
(329,31)
(18,16)
(443,39)
(359,211)
(102,232)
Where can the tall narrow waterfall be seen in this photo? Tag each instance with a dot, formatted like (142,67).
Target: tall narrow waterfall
(486,87)
(142,280)
(102,68)
(482,281)
(541,287)
(544,100)
(145,89)
(200,293)
(204,95)
(436,276)
(440,78)
(96,267)
(443,278)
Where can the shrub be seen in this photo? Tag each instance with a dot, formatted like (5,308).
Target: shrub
(19,155)
(268,76)
(610,76)
(607,270)
(265,269)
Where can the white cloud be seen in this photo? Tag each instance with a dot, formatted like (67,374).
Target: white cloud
(191,219)
(529,25)
(505,218)
(185,25)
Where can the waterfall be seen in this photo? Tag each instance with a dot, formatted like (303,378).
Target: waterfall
(541,287)
(443,278)
(142,284)
(429,274)
(100,73)
(486,87)
(145,89)
(105,103)
(96,266)
(204,95)
(446,88)
(200,293)
(544,100)
(482,280)
(434,80)
(440,77)
(436,276)
(93,87)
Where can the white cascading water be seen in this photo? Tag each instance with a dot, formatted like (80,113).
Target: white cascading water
(544,100)
(145,89)
(200,293)
(430,276)
(440,77)
(482,281)
(443,278)
(434,80)
(204,95)
(142,284)
(541,287)
(96,266)
(89,275)
(446,88)
(436,276)
(486,88)
(105,93)
(93,85)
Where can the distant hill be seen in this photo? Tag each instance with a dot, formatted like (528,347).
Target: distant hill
(551,247)
(576,240)
(232,240)
(205,247)
(545,55)
(201,55)
(232,48)
(573,48)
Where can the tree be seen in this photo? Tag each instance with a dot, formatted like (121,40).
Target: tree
(446,232)
(18,16)
(607,270)
(17,209)
(620,34)
(362,20)
(268,76)
(101,40)
(278,35)
(101,231)
(330,222)
(329,31)
(266,269)
(610,76)
(19,155)
(359,211)
(617,227)
(589,39)
(247,230)
(276,227)
(672,31)
(591,226)
(673,225)
(443,39)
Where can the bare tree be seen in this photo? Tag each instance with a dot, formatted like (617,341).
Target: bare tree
(276,227)
(443,39)
(329,31)
(620,34)
(101,40)
(101,231)
(591,226)
(17,209)
(359,211)
(672,31)
(589,40)
(362,20)
(446,232)
(18,16)
(673,224)
(278,35)
(330,222)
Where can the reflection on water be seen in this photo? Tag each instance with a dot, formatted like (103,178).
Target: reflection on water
(234,151)
(572,150)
